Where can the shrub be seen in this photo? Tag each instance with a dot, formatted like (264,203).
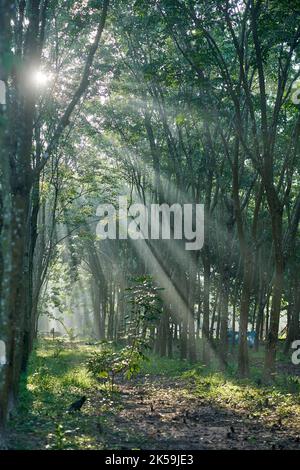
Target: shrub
(108,363)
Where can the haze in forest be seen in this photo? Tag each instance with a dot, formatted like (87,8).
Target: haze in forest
(149,219)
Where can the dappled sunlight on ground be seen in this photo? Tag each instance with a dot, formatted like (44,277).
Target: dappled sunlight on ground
(169,405)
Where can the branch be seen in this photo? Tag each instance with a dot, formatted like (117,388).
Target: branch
(64,121)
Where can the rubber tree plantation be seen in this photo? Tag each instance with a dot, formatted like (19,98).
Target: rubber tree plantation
(149,225)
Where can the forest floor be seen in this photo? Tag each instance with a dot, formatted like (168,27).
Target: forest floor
(170,405)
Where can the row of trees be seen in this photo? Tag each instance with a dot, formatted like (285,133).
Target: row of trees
(202,108)
(36,37)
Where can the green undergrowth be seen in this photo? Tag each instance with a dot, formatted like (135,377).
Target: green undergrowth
(53,381)
(281,400)
(275,403)
(57,376)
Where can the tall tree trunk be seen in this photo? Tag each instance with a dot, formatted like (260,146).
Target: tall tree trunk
(206,309)
(270,356)
(294,307)
(243,359)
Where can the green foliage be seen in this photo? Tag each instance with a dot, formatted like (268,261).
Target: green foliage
(59,347)
(59,438)
(51,385)
(144,295)
(108,364)
(41,421)
(159,366)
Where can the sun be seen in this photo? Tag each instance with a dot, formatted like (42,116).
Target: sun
(40,78)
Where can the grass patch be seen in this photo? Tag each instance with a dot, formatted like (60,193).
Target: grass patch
(52,383)
(57,376)
(164,366)
(273,404)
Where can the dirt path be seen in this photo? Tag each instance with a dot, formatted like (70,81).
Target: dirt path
(162,414)
(150,412)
